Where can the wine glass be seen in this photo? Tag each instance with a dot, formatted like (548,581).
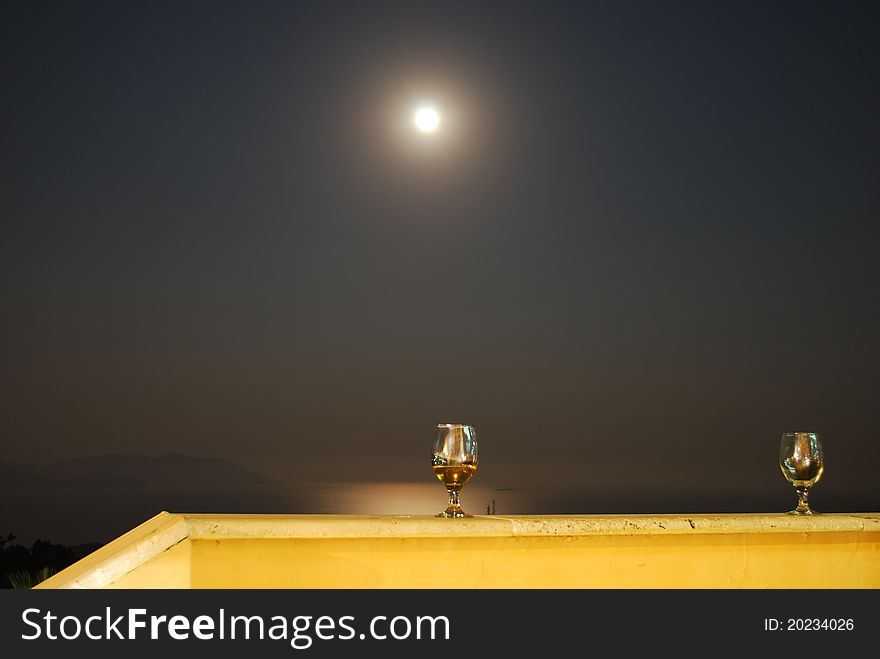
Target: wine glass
(454,459)
(802,462)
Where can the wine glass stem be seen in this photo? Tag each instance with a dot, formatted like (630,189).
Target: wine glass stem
(454,505)
(803,506)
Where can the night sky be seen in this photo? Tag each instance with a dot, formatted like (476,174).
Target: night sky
(642,244)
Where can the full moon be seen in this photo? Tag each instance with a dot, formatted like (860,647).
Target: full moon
(427,120)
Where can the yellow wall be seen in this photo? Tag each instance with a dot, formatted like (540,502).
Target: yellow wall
(578,551)
(838,560)
(170,569)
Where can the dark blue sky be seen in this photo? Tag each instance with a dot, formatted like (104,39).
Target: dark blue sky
(643,245)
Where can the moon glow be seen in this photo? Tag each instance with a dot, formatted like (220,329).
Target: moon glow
(427,120)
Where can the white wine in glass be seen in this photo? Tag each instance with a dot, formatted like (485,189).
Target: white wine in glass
(454,460)
(802,462)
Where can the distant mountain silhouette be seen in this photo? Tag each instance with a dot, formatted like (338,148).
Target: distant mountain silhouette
(97,498)
(37,476)
(131,471)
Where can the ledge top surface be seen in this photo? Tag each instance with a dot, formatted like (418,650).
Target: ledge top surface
(205,526)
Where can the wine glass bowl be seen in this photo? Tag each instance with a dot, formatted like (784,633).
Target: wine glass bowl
(454,460)
(802,462)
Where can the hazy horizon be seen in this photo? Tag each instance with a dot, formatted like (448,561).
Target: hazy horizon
(98,505)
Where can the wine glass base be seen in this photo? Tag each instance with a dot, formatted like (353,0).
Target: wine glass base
(456,514)
(801,513)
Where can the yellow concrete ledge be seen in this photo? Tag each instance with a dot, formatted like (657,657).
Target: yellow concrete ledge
(357,526)
(144,545)
(578,551)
